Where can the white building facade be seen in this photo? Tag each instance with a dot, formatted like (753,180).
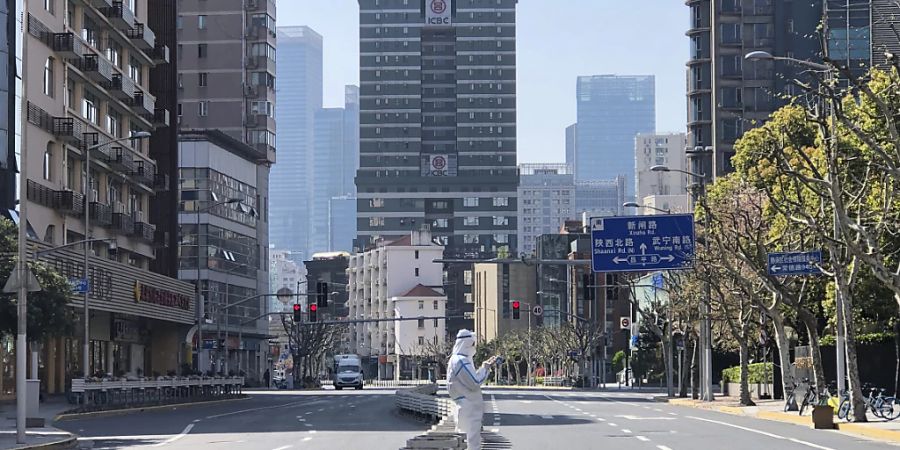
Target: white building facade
(662,149)
(546,200)
(382,283)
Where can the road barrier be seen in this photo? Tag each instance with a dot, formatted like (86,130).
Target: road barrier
(387,383)
(99,394)
(423,401)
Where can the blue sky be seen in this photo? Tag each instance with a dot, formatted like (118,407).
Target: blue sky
(558,40)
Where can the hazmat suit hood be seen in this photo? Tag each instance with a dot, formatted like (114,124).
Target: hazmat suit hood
(465,343)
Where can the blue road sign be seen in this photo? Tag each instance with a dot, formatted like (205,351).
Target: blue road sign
(79,285)
(658,280)
(795,263)
(642,243)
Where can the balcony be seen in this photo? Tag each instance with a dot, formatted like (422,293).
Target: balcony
(120,159)
(260,63)
(68,129)
(70,202)
(121,87)
(143,230)
(97,68)
(142,36)
(160,54)
(41,195)
(143,104)
(265,150)
(256,5)
(144,172)
(122,223)
(161,117)
(161,182)
(120,16)
(68,46)
(101,214)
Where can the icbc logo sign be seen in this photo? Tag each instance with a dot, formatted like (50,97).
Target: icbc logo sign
(438,163)
(438,13)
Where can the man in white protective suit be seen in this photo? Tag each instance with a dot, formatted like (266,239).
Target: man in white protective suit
(464,385)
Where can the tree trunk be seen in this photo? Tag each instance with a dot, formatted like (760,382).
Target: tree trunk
(815,351)
(856,396)
(896,357)
(745,371)
(695,374)
(784,353)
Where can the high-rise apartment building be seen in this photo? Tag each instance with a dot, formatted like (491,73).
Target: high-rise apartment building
(661,149)
(300,96)
(612,109)
(727,94)
(341,226)
(571,130)
(9,115)
(92,91)
(598,198)
(546,200)
(438,127)
(226,70)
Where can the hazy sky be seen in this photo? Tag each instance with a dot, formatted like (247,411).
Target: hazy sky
(558,40)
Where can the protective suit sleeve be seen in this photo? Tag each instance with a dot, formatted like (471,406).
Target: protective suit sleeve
(468,377)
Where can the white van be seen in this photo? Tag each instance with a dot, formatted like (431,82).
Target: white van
(347,372)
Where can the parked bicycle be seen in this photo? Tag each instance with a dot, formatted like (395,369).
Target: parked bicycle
(881,406)
(809,397)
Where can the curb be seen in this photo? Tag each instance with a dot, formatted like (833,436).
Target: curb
(786,418)
(117,412)
(64,444)
(874,433)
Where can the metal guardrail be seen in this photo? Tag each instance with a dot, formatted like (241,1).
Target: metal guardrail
(386,383)
(111,393)
(423,401)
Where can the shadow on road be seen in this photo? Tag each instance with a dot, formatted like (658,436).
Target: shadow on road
(531,420)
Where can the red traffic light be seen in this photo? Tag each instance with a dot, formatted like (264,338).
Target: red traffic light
(516,305)
(313,307)
(296,307)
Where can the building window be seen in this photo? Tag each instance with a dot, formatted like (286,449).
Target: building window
(435,305)
(376,221)
(202,50)
(470,202)
(468,297)
(48,5)
(421,324)
(201,22)
(203,79)
(114,52)
(376,203)
(114,123)
(136,71)
(421,340)
(501,220)
(48,77)
(89,107)
(179,22)
(421,304)
(48,162)
(470,238)
(417,271)
(470,221)
(180,109)
(417,255)
(501,238)
(203,109)
(501,201)
(467,277)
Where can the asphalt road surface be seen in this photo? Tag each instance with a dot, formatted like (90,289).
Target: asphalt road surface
(538,420)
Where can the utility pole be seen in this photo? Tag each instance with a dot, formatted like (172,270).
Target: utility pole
(22,303)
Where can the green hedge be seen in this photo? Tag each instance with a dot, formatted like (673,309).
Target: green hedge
(757,372)
(865,338)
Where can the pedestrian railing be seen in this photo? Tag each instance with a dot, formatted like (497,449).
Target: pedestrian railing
(386,383)
(111,393)
(423,401)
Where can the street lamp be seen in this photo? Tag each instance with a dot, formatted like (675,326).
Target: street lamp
(637,205)
(840,345)
(87,236)
(197,294)
(706,326)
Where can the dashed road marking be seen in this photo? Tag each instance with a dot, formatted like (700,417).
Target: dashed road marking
(312,431)
(283,448)
(663,447)
(495,430)
(611,424)
(306,439)
(626,430)
(764,433)
(178,436)
(642,438)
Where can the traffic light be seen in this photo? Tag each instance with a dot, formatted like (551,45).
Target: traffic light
(313,308)
(516,305)
(298,315)
(322,294)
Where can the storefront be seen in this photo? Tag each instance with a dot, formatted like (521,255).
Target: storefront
(138,325)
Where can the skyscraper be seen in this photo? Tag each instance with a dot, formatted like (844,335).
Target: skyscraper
(570,146)
(612,109)
(438,127)
(300,96)
(546,201)
(740,94)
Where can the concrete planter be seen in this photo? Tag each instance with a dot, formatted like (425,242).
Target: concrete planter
(734,389)
(823,417)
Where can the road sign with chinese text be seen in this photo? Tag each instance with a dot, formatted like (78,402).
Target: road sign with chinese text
(795,263)
(642,243)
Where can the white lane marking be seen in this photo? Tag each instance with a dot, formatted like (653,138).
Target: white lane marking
(308,438)
(283,448)
(630,417)
(526,401)
(195,420)
(312,431)
(547,417)
(663,447)
(673,414)
(600,419)
(611,424)
(764,433)
(625,430)
(321,409)
(252,410)
(657,410)
(642,438)
(178,436)
(495,430)
(307,424)
(308,412)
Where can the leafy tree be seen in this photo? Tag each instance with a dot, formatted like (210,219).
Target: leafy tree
(48,312)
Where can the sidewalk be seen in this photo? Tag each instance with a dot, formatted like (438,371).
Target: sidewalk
(875,428)
(47,437)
